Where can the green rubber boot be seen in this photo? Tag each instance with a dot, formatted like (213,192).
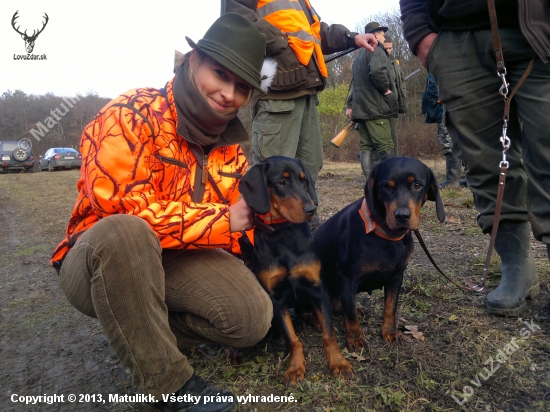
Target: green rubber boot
(365,156)
(452,171)
(519,279)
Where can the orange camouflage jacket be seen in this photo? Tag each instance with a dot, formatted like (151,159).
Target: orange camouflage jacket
(134,162)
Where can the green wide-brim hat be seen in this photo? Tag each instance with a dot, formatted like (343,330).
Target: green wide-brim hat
(237,45)
(374,26)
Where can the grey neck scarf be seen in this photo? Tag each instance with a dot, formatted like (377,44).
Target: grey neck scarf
(197,121)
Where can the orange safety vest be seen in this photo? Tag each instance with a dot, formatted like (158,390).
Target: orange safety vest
(290,18)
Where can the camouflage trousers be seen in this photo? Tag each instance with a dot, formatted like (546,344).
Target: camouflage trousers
(444,138)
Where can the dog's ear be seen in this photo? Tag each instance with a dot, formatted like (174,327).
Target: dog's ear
(371,192)
(253,187)
(310,185)
(433,195)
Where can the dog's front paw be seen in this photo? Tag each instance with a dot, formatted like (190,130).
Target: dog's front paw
(342,368)
(294,374)
(391,336)
(355,344)
(354,335)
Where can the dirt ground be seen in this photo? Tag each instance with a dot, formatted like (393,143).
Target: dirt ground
(456,357)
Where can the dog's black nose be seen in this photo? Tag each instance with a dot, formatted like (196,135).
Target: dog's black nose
(310,210)
(402,215)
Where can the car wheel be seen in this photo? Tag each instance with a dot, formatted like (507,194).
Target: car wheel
(20,154)
(50,168)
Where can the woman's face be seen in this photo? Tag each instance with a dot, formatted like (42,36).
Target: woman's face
(224,91)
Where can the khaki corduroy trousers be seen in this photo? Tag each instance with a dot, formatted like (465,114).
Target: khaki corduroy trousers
(152,302)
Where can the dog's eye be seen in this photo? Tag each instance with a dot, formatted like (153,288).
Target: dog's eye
(417,186)
(387,187)
(281,182)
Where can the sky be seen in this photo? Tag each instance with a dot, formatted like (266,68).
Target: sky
(108,47)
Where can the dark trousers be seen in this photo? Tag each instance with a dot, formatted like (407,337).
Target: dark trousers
(464,68)
(152,302)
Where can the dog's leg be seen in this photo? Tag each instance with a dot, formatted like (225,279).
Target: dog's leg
(354,334)
(337,364)
(391,297)
(297,362)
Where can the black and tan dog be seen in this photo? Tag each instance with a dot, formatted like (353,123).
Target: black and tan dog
(280,192)
(367,245)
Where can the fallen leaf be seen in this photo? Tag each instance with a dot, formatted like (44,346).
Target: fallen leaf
(359,358)
(413,330)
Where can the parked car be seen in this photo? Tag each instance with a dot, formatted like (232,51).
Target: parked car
(60,158)
(16,155)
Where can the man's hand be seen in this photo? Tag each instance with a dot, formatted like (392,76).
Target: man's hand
(367,41)
(424,48)
(348,113)
(240,217)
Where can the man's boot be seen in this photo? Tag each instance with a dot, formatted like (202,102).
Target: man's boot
(519,279)
(386,154)
(452,171)
(365,156)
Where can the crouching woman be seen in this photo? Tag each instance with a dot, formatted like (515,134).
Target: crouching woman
(146,248)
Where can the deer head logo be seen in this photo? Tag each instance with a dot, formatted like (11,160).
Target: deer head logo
(29,40)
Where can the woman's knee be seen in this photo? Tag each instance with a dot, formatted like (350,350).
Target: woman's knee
(252,322)
(263,315)
(116,246)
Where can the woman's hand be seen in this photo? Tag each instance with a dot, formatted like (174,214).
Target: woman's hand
(240,217)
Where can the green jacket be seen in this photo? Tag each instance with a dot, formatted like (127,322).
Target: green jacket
(373,76)
(399,86)
(298,80)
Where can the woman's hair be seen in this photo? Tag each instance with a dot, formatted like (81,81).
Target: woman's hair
(193,62)
(195,58)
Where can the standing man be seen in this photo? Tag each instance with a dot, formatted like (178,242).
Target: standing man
(457,34)
(285,120)
(399,87)
(373,100)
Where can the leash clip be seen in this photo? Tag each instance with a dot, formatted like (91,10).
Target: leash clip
(504,88)
(505,140)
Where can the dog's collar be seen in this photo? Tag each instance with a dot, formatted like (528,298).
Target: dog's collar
(372,225)
(268,224)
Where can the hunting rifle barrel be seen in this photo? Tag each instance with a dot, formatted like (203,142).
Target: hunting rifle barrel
(340,54)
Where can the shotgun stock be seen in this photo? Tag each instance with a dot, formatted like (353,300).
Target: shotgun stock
(339,138)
